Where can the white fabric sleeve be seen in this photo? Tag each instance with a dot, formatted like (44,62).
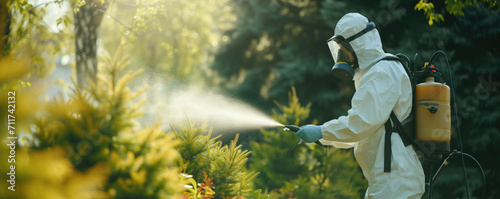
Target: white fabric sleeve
(337,144)
(371,106)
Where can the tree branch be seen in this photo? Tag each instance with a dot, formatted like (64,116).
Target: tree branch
(116,19)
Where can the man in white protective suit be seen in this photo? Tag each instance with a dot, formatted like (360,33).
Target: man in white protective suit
(381,86)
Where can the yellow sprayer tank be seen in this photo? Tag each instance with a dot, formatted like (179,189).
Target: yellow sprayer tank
(433,111)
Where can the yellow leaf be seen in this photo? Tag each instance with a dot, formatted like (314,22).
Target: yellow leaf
(138,177)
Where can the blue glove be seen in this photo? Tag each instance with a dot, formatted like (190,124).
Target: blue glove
(309,133)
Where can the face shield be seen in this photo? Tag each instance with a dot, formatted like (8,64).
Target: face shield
(343,54)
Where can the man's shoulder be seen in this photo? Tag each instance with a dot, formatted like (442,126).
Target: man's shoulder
(388,67)
(385,67)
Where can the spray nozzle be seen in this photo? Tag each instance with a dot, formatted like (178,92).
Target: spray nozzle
(291,128)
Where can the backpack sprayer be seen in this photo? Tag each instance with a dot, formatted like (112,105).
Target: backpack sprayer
(433,120)
(432,111)
(428,128)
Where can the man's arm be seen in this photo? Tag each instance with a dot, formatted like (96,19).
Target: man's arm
(372,103)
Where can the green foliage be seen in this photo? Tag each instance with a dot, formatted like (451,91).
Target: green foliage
(204,190)
(428,9)
(43,173)
(176,37)
(22,110)
(143,166)
(226,169)
(193,145)
(96,126)
(224,165)
(294,113)
(92,116)
(76,4)
(308,171)
(30,36)
(454,7)
(271,156)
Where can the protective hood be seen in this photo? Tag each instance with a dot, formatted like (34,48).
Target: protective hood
(368,47)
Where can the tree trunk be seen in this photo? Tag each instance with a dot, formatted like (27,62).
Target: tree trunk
(87,20)
(4,28)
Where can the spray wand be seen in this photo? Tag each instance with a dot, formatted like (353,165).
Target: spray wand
(295,129)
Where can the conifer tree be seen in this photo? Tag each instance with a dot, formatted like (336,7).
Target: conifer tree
(307,171)
(94,135)
(45,173)
(203,157)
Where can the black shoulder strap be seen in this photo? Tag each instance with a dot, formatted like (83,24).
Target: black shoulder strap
(387,146)
(398,127)
(390,58)
(405,136)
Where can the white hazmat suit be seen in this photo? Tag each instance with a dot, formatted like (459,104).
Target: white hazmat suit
(381,87)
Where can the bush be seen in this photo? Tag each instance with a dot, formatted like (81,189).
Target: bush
(90,145)
(206,159)
(308,171)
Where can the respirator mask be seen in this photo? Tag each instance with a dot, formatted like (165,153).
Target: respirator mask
(343,54)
